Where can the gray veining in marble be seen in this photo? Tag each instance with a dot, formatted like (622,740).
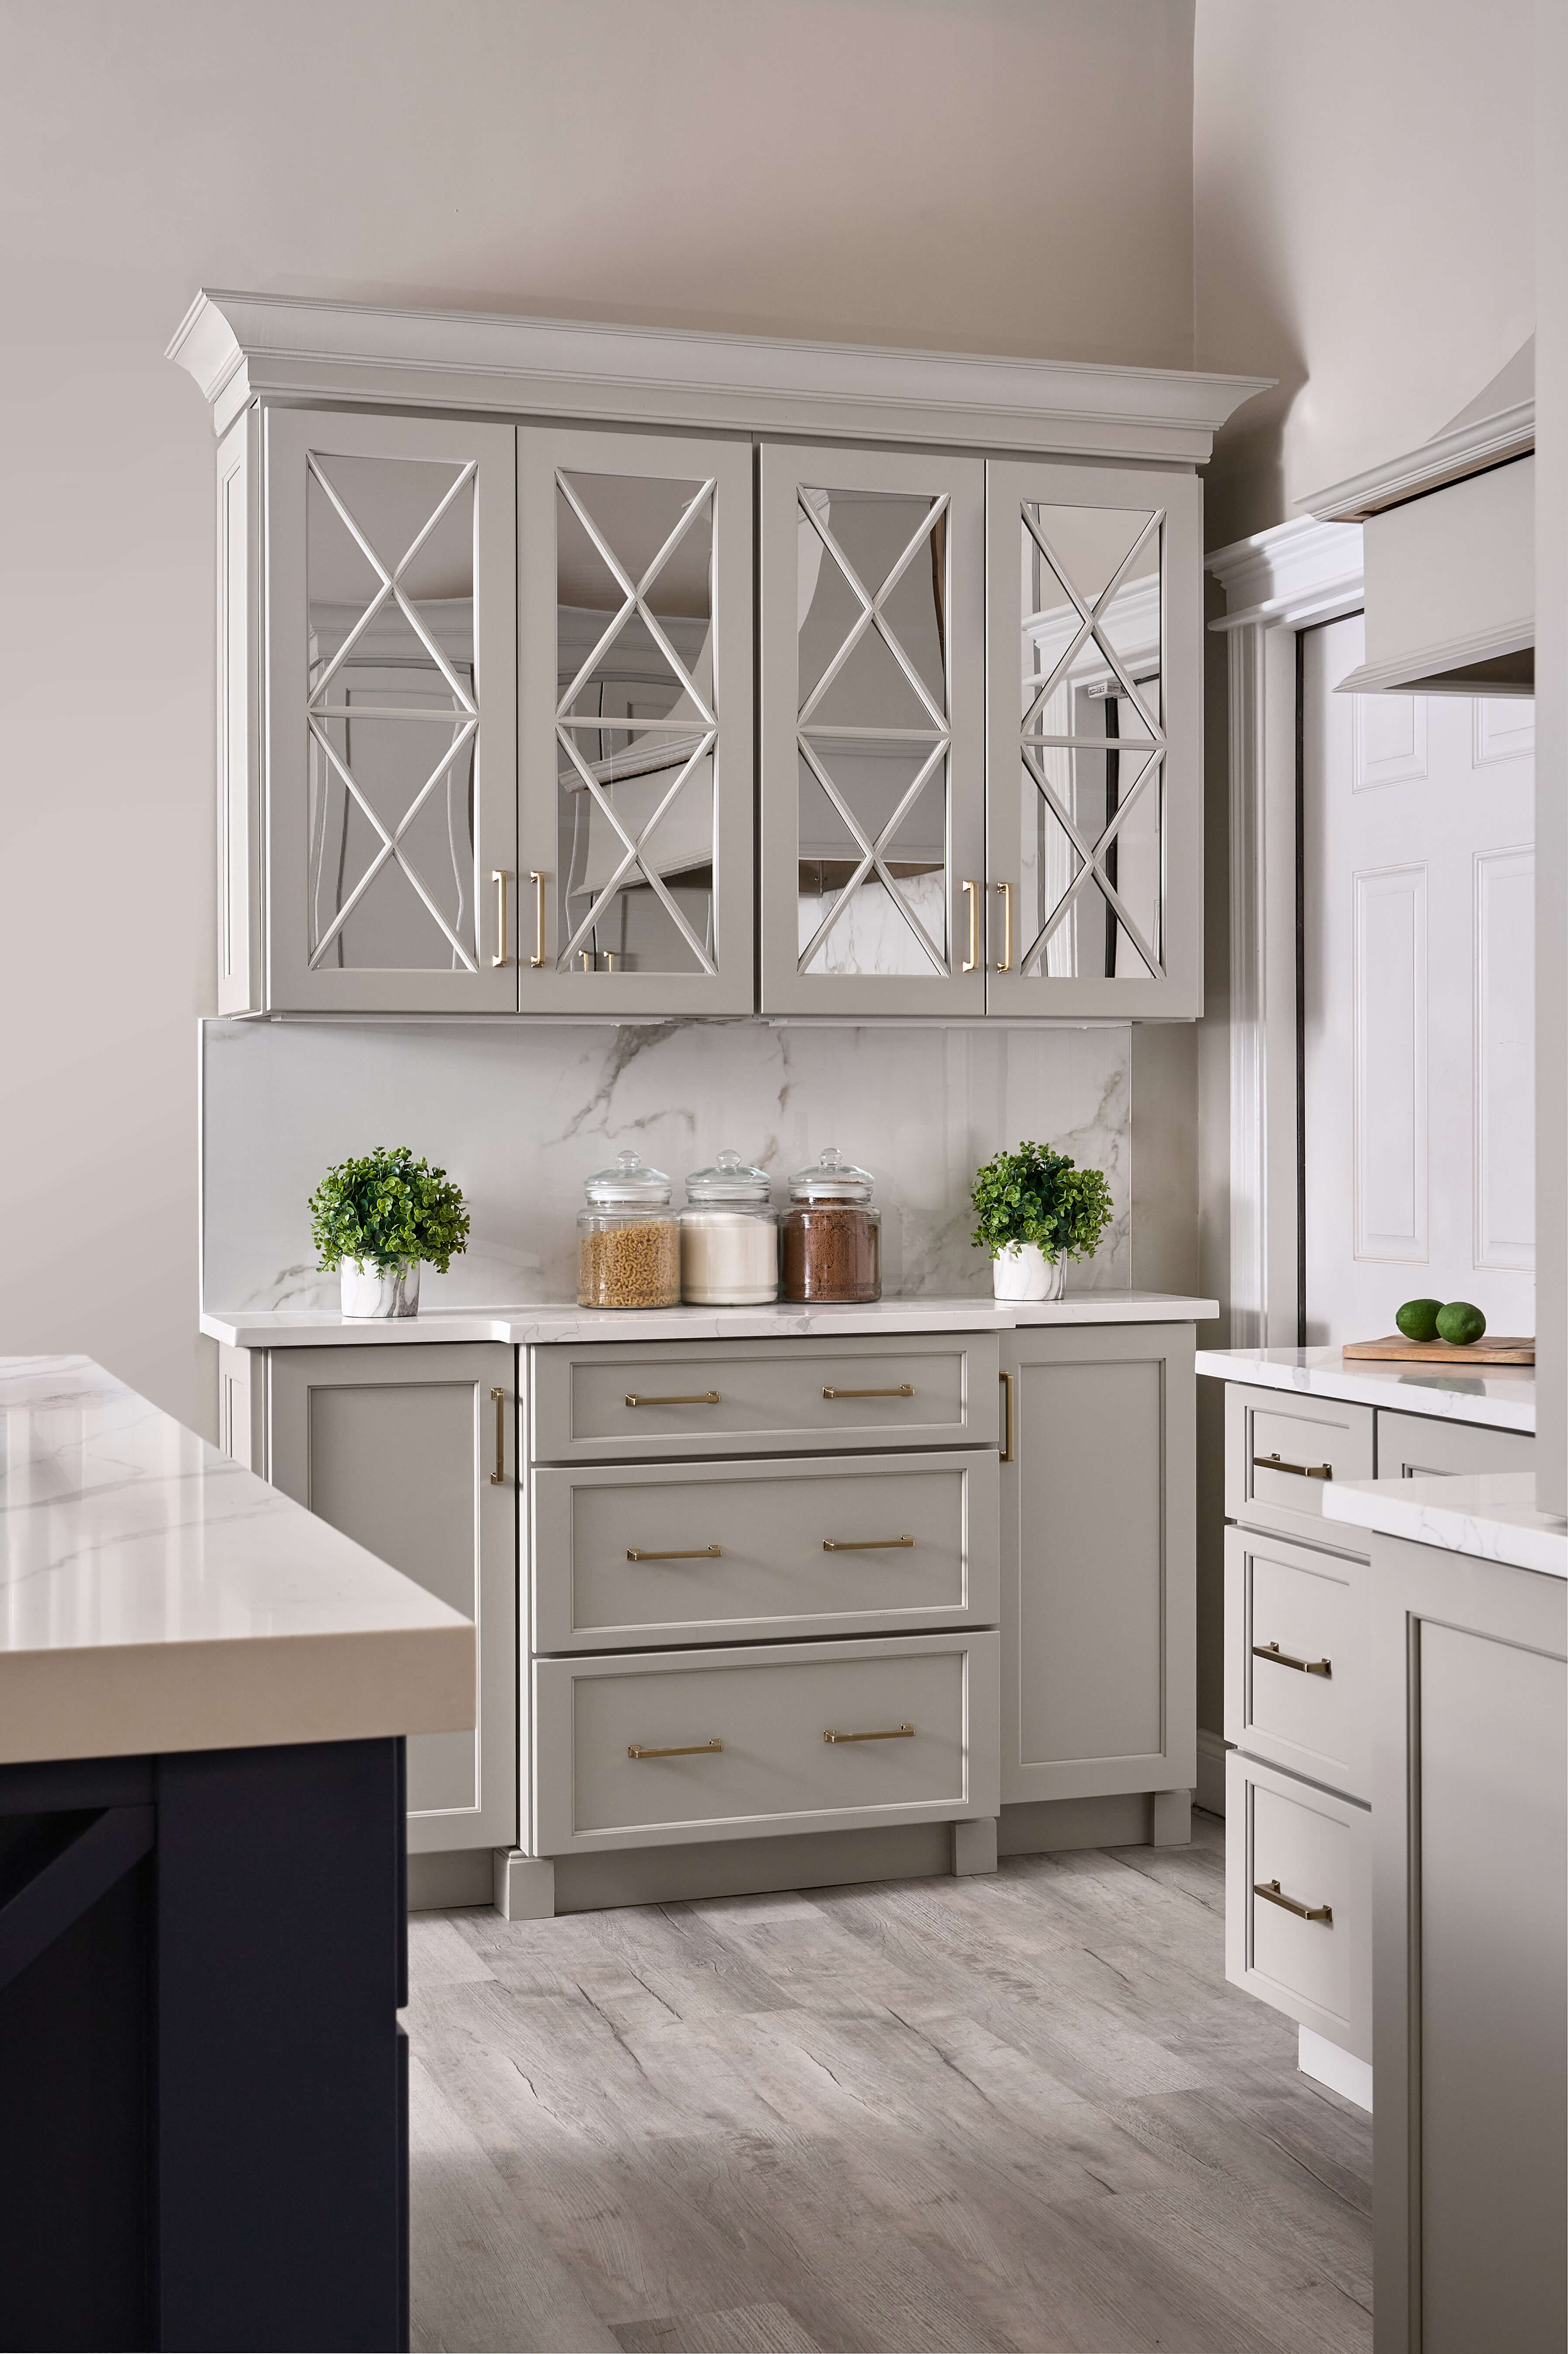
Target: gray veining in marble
(155,1597)
(1502,1396)
(521,1115)
(1489,1514)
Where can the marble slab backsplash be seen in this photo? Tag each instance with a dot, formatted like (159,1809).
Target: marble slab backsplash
(520,1117)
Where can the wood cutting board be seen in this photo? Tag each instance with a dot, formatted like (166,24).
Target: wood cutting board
(1492,1348)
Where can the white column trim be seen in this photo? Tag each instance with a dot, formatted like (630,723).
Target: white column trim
(1276,583)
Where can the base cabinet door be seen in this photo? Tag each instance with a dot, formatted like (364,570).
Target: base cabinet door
(1469,1687)
(1097,1560)
(399,1448)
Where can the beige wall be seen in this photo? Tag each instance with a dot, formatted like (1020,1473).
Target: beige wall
(1362,203)
(1011,174)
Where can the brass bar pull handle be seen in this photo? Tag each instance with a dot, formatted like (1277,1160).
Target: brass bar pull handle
(688,1397)
(695,1749)
(863,1545)
(1006,1381)
(1302,1470)
(498,1477)
(893,1733)
(1272,1893)
(499,879)
(905,1389)
(691,1553)
(537,880)
(1282,1660)
(973,959)
(1006,891)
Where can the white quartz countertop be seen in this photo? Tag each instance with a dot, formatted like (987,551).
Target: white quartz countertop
(1492,1514)
(547,1321)
(154,1596)
(1500,1395)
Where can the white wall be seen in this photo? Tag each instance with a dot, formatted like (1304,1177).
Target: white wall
(1362,201)
(1012,175)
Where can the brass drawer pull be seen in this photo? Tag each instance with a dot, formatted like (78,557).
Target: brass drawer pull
(1282,1660)
(1302,1470)
(537,880)
(1006,1381)
(499,879)
(905,1389)
(973,957)
(1272,1894)
(1006,891)
(862,1544)
(688,1397)
(893,1733)
(693,1553)
(695,1749)
(498,1477)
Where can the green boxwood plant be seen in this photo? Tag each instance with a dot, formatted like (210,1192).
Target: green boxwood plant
(387,1208)
(1039,1196)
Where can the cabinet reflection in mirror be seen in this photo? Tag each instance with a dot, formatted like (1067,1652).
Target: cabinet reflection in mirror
(636,723)
(872,732)
(392,712)
(1092,742)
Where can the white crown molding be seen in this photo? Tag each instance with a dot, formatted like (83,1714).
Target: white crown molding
(238,346)
(1290,575)
(1448,458)
(1427,670)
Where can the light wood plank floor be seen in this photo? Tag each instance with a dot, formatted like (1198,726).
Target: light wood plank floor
(1021,2113)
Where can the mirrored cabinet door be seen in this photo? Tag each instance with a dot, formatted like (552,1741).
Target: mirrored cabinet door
(390,754)
(1094,751)
(635,717)
(873,891)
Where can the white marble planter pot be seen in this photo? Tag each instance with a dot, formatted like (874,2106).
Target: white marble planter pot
(370,1291)
(1022,1272)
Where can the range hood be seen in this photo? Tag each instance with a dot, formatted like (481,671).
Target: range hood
(1448,550)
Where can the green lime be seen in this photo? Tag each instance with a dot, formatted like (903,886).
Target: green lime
(1460,1323)
(1417,1319)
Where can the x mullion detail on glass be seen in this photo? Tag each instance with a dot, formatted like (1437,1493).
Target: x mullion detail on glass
(464,731)
(634,860)
(635,595)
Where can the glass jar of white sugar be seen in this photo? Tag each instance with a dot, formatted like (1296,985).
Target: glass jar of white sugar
(729,1236)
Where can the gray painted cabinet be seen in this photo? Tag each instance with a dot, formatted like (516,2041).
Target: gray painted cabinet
(485,739)
(401,1449)
(1470,1685)
(1098,1568)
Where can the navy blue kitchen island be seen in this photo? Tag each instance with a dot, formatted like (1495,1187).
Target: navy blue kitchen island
(203,2079)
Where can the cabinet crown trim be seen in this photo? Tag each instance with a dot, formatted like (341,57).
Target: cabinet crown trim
(238,345)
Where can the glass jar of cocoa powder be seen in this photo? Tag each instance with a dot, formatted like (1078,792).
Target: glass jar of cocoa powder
(628,1245)
(830,1236)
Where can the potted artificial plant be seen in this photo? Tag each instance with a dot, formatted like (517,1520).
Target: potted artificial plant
(375,1220)
(1035,1208)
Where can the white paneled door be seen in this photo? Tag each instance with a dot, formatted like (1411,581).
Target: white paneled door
(1418,999)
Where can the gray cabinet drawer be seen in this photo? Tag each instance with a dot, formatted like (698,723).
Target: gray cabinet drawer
(625,1555)
(1318,1848)
(742,1737)
(1305,1709)
(1281,1449)
(1419,1446)
(596,1403)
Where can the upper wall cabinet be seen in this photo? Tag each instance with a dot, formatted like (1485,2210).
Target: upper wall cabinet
(1094,750)
(872,732)
(488,679)
(635,727)
(390,713)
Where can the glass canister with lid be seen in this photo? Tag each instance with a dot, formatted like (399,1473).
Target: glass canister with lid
(831,1236)
(628,1243)
(729,1236)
